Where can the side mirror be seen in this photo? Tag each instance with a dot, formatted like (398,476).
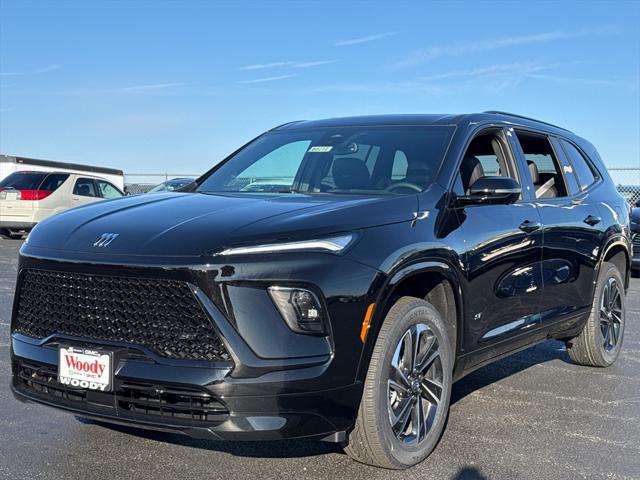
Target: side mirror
(492,191)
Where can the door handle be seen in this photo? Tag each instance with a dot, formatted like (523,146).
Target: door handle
(529,226)
(592,220)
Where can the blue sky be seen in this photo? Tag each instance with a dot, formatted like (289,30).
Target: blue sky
(157,86)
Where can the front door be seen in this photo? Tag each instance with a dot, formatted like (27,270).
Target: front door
(84,191)
(503,250)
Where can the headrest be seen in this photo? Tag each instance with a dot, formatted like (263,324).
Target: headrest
(470,171)
(533,172)
(418,173)
(84,190)
(350,173)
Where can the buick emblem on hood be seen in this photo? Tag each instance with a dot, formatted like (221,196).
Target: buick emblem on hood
(105,239)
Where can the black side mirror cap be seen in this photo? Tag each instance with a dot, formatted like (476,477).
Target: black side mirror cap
(492,191)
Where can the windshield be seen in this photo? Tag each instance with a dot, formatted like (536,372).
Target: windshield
(351,160)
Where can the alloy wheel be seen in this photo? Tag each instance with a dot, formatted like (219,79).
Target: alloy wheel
(611,314)
(415,384)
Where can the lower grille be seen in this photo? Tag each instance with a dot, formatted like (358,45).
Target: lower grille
(635,238)
(162,315)
(141,401)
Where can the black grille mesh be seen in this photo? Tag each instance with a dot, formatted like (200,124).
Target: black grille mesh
(636,244)
(162,315)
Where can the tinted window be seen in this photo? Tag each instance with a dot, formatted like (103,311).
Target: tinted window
(23,180)
(107,190)
(485,157)
(85,187)
(360,160)
(544,167)
(53,182)
(580,166)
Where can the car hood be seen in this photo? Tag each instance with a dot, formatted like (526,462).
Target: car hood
(188,224)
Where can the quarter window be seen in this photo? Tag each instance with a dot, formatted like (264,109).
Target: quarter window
(53,181)
(581,167)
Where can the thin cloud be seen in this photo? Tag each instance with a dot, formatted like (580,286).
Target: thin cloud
(459,49)
(631,83)
(149,87)
(266,79)
(48,68)
(314,64)
(502,69)
(263,66)
(368,38)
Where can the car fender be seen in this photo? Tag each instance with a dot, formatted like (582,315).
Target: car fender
(394,278)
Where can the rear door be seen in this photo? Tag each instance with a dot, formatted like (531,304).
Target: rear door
(85,190)
(572,224)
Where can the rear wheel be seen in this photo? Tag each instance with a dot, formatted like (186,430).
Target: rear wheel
(407,389)
(599,343)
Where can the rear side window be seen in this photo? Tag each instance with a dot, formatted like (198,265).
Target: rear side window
(581,167)
(53,182)
(544,167)
(23,180)
(85,187)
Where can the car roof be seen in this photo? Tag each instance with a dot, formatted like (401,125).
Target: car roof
(61,172)
(492,116)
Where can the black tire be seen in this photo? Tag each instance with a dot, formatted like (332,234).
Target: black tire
(373,440)
(591,347)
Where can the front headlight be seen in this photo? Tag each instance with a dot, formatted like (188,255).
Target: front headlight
(332,245)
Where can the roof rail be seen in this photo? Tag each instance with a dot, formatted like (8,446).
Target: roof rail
(498,112)
(285,125)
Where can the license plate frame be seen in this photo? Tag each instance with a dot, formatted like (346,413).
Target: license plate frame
(85,368)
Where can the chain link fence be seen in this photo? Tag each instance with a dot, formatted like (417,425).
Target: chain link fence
(627,180)
(137,183)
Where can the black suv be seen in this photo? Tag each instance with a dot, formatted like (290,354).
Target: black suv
(330,279)
(635,235)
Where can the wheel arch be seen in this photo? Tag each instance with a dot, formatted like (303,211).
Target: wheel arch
(434,281)
(617,251)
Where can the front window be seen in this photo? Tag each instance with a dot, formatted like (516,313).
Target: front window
(345,160)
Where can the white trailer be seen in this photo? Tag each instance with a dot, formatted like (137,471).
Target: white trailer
(10,164)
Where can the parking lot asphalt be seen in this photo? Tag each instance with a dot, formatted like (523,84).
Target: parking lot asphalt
(534,415)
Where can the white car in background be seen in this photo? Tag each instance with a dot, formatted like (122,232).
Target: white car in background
(28,197)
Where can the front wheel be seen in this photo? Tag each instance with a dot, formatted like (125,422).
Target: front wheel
(406,395)
(600,341)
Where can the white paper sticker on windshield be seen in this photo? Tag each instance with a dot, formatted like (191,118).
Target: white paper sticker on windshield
(320,149)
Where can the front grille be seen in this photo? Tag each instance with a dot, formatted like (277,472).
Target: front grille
(169,404)
(636,244)
(161,315)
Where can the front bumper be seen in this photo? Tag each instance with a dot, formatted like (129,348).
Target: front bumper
(277,394)
(172,399)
